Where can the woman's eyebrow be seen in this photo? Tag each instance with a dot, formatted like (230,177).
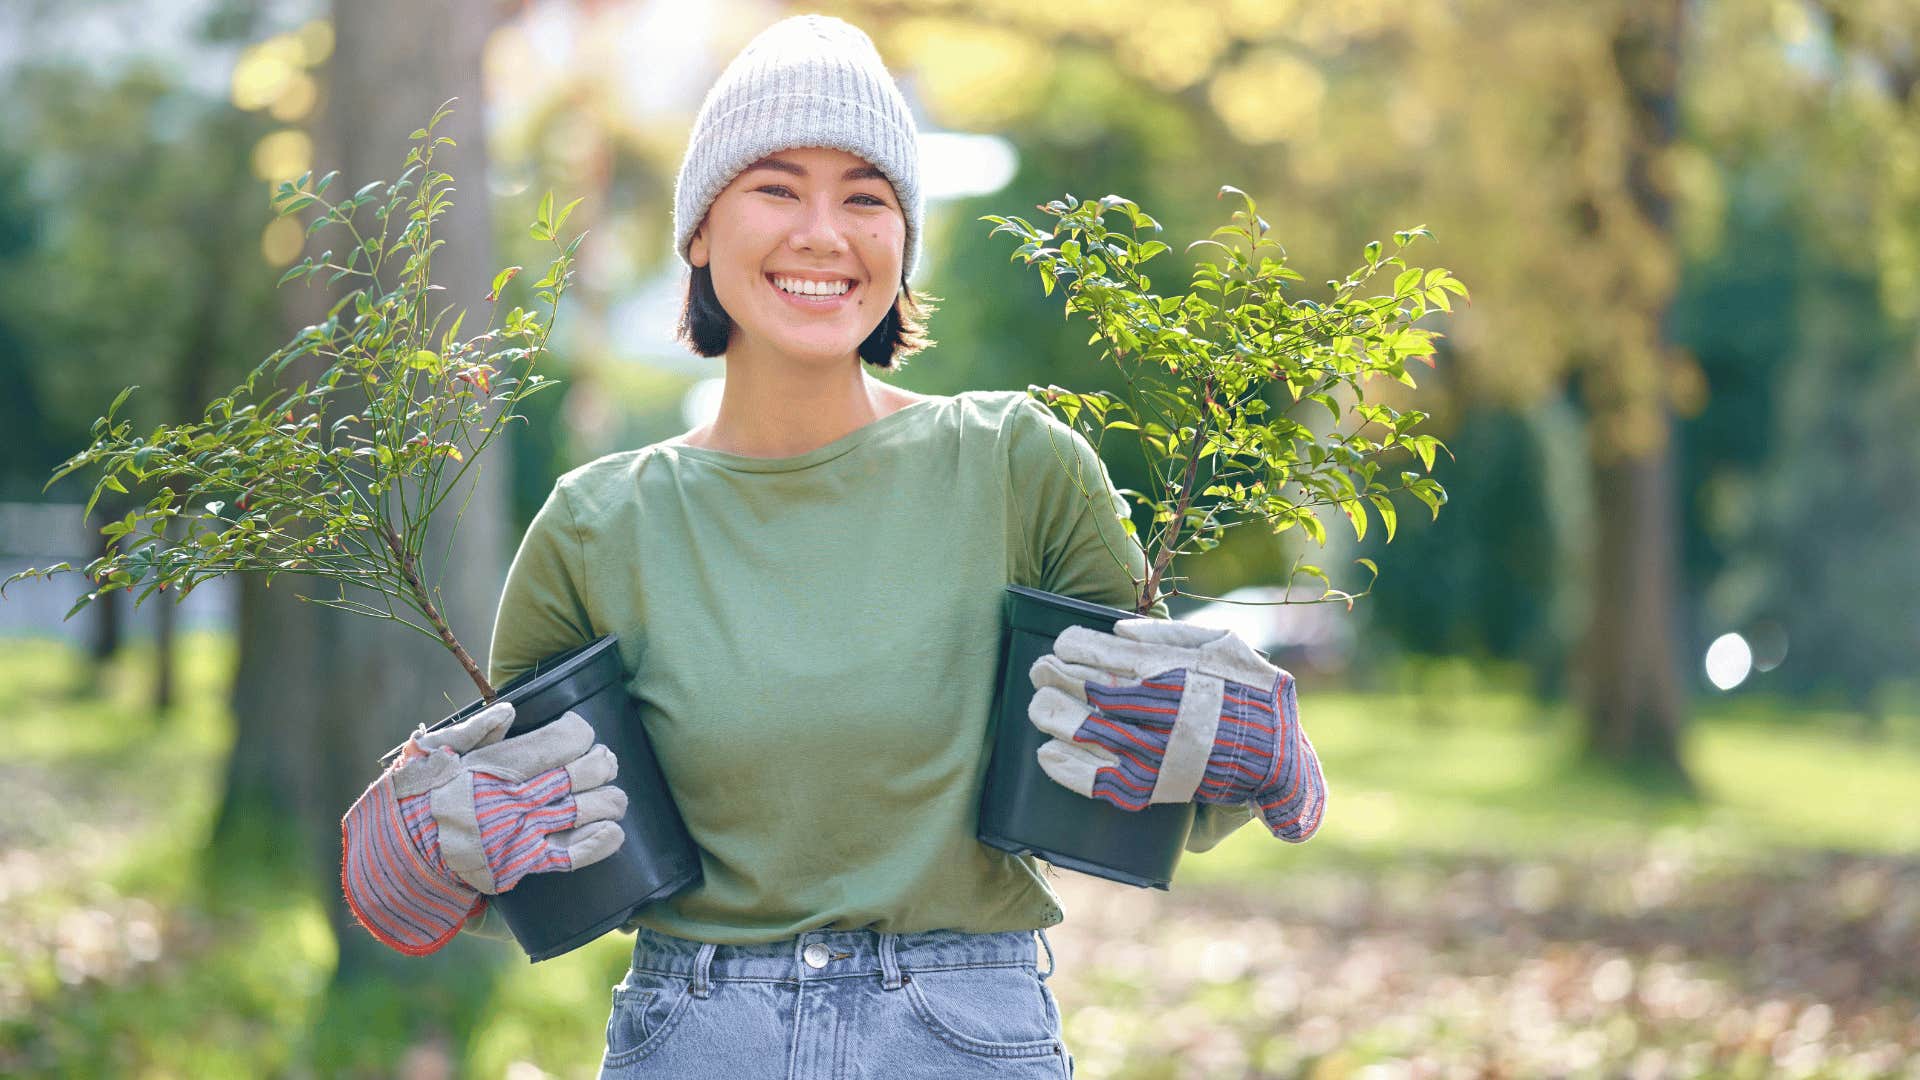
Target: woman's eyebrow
(858,172)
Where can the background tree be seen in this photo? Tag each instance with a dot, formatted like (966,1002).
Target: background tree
(147,218)
(390,67)
(1552,187)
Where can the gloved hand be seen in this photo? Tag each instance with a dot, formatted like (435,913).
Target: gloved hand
(465,812)
(1168,712)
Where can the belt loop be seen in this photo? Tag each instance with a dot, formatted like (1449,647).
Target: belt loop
(702,966)
(1051,966)
(890,977)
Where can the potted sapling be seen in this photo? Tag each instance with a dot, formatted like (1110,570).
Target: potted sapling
(339,477)
(1220,385)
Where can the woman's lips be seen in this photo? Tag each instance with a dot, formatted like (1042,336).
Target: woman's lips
(812,303)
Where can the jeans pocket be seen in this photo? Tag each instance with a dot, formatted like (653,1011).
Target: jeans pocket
(997,1011)
(646,1006)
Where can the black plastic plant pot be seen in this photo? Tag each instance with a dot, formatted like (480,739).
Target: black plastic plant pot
(555,912)
(1022,809)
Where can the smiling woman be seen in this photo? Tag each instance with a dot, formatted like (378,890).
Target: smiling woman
(767,201)
(806,592)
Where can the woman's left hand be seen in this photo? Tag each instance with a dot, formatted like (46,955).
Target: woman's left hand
(1161,711)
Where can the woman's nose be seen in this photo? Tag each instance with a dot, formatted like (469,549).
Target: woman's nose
(819,230)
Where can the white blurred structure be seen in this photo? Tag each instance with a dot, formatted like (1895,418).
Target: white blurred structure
(45,534)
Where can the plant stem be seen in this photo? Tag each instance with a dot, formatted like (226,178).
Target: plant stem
(432,613)
(1163,558)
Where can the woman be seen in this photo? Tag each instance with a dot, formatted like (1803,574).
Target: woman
(806,593)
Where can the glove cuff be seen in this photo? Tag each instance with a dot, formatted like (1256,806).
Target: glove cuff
(391,887)
(1293,801)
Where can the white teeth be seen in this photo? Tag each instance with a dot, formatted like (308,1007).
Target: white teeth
(812,288)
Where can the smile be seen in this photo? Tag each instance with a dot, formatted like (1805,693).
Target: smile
(814,302)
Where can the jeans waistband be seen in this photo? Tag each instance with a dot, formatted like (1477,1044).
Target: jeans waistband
(836,954)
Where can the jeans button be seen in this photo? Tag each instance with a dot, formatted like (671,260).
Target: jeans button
(816,955)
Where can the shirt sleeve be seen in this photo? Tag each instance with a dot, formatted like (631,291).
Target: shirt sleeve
(542,609)
(488,925)
(1072,513)
(1214,822)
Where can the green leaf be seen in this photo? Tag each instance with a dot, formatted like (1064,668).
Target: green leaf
(1388,516)
(561,222)
(1224,188)
(500,281)
(1429,492)
(1422,445)
(1313,528)
(1357,514)
(453,331)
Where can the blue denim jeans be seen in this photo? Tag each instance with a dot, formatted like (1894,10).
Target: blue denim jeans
(838,1005)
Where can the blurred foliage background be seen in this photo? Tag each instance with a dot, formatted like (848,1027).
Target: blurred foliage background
(1623,748)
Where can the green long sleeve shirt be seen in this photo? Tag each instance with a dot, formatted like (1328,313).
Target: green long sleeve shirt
(812,641)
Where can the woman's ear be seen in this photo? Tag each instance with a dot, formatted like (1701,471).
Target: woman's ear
(697,246)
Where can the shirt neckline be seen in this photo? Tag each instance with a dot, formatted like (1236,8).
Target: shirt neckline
(818,455)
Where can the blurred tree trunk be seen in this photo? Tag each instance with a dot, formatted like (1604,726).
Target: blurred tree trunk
(1634,703)
(392,65)
(105,625)
(193,378)
(165,621)
(104,639)
(321,694)
(267,774)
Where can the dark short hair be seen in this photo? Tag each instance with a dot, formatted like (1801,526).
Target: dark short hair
(707,328)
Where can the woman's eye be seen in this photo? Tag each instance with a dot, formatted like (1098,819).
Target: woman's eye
(872,200)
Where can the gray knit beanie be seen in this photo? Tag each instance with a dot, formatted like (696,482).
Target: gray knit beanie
(808,80)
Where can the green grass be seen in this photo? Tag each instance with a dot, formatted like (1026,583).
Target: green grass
(1486,771)
(240,987)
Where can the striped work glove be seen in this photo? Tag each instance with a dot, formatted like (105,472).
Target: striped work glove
(464,813)
(1168,712)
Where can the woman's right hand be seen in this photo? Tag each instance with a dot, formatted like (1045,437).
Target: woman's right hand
(466,812)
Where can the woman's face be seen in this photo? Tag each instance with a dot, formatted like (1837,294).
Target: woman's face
(814,213)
